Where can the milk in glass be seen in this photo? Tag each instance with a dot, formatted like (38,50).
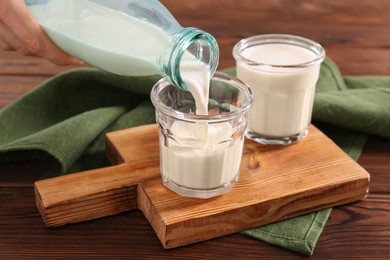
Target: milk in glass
(201,158)
(282,76)
(200,154)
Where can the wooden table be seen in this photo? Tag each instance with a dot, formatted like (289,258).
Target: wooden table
(355,34)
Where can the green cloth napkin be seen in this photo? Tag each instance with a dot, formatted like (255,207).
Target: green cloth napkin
(67,117)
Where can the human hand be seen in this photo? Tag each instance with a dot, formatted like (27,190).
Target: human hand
(20,32)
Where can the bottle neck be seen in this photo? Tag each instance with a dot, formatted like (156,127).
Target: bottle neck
(189,43)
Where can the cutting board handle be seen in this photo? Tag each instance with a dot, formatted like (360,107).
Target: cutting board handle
(92,194)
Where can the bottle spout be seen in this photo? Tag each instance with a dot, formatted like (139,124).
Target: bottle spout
(190,44)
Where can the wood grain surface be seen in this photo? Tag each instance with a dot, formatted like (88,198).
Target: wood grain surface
(354,33)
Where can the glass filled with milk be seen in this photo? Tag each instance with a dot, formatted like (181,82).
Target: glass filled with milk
(282,71)
(202,132)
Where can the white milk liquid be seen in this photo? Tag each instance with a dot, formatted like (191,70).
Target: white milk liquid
(192,165)
(126,45)
(283,97)
(108,39)
(204,158)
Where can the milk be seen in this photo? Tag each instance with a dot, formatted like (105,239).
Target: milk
(201,155)
(122,44)
(190,164)
(283,97)
(196,75)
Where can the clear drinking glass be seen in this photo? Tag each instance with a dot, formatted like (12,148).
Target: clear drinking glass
(282,71)
(200,155)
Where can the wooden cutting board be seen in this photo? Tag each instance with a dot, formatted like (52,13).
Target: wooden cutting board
(276,183)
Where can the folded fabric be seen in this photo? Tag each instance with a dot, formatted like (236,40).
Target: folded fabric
(359,103)
(68,116)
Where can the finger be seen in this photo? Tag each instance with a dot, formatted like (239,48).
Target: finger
(12,13)
(51,52)
(9,41)
(5,46)
(4,38)
(33,38)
